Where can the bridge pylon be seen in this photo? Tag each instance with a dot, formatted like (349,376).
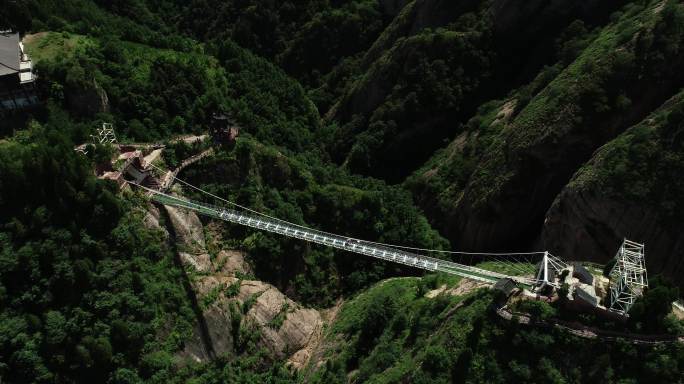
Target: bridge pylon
(548,269)
(628,278)
(105,135)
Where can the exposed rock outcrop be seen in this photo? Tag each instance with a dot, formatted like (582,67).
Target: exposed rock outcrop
(231,263)
(188,228)
(463,287)
(505,201)
(584,225)
(227,300)
(190,239)
(631,189)
(152,219)
(87,100)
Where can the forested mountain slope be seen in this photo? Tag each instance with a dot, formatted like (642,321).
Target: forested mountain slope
(402,330)
(610,86)
(434,65)
(631,187)
(493,186)
(114,293)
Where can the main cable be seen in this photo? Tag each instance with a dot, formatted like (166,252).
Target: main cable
(333,234)
(198,206)
(12,68)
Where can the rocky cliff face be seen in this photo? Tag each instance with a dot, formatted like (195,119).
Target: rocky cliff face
(505,199)
(630,188)
(586,225)
(233,309)
(87,100)
(392,7)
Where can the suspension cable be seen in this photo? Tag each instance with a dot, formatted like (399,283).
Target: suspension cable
(333,234)
(510,264)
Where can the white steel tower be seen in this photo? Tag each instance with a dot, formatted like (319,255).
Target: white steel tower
(105,135)
(628,277)
(550,268)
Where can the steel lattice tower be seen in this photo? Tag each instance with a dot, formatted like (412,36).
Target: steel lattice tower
(628,277)
(105,135)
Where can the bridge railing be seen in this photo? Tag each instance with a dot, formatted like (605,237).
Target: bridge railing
(339,242)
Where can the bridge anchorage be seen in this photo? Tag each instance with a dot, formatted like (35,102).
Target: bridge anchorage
(582,285)
(587,286)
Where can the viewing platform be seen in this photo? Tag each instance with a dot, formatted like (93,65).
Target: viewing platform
(17,88)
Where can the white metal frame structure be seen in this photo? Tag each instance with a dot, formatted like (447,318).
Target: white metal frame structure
(628,277)
(25,67)
(549,261)
(336,241)
(105,135)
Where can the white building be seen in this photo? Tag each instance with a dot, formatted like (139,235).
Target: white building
(16,74)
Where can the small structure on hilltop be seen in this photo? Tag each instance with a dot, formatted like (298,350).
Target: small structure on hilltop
(127,164)
(105,135)
(586,288)
(115,176)
(17,88)
(136,169)
(223,130)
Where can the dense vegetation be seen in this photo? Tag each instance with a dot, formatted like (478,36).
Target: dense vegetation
(393,333)
(155,93)
(650,153)
(342,108)
(86,289)
(89,292)
(105,300)
(305,191)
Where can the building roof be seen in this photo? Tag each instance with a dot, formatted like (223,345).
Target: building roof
(220,116)
(507,286)
(111,175)
(9,53)
(130,155)
(582,274)
(587,293)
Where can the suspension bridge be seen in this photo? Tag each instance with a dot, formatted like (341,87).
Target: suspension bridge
(630,256)
(521,273)
(541,270)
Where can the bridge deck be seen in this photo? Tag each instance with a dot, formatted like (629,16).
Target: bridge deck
(339,242)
